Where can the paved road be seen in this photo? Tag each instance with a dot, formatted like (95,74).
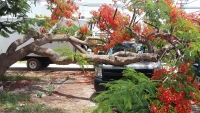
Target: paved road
(22,66)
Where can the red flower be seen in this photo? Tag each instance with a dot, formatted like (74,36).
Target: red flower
(153,108)
(184,68)
(95,50)
(69,23)
(43,30)
(54,17)
(84,29)
(157,75)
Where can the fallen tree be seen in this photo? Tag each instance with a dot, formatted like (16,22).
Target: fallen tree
(168,32)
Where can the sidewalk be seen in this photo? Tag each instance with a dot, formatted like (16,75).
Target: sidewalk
(55,66)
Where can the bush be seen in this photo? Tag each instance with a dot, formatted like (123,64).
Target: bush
(166,92)
(131,94)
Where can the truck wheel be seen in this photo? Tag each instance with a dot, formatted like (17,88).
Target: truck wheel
(33,64)
(44,65)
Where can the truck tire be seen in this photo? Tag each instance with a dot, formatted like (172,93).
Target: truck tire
(33,64)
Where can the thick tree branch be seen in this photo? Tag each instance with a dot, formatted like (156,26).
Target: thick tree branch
(49,38)
(94,38)
(46,52)
(125,54)
(78,48)
(13,46)
(164,35)
(117,60)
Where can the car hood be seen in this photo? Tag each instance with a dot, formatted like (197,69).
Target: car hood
(138,65)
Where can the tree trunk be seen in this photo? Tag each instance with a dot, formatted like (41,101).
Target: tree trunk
(7,59)
(3,64)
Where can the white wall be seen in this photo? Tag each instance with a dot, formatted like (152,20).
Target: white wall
(5,42)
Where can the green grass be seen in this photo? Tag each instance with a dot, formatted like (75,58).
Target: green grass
(18,78)
(50,89)
(38,108)
(9,101)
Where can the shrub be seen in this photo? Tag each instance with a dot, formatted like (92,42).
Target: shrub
(131,94)
(39,94)
(176,91)
(50,89)
(166,92)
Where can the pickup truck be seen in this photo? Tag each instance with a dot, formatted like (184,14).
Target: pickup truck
(106,72)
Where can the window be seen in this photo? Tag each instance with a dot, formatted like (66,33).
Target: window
(131,47)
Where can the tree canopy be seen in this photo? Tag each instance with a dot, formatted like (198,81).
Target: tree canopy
(167,30)
(163,24)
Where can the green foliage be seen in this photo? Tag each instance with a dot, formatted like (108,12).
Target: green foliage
(156,12)
(18,78)
(74,56)
(70,30)
(65,51)
(196,44)
(158,43)
(39,94)
(15,8)
(21,24)
(50,89)
(38,108)
(63,29)
(10,100)
(130,94)
(80,60)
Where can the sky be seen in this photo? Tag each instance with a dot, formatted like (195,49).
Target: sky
(192,6)
(87,5)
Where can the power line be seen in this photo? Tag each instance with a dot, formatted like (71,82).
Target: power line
(192,1)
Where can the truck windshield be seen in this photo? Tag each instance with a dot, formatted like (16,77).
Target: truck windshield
(131,47)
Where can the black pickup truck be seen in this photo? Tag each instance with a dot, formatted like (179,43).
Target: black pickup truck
(106,72)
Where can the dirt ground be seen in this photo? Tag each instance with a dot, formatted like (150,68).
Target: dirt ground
(73,91)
